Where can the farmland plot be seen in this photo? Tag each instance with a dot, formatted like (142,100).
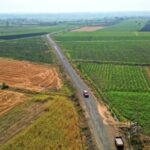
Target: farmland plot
(28,76)
(117,77)
(135,52)
(32,49)
(126,89)
(9,99)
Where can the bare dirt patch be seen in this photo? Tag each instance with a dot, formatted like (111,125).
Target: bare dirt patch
(107,117)
(35,77)
(9,99)
(88,29)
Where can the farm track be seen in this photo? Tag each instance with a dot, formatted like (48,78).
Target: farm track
(104,139)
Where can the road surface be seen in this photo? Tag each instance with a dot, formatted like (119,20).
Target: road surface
(95,121)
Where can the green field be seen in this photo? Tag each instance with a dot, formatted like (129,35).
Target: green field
(31,49)
(126,89)
(15,30)
(132,105)
(128,25)
(124,47)
(114,61)
(110,77)
(132,51)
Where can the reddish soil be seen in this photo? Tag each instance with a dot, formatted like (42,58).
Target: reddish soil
(25,75)
(9,99)
(88,29)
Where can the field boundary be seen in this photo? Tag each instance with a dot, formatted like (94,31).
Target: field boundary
(110,62)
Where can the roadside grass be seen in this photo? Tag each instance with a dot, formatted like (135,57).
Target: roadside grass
(57,128)
(31,49)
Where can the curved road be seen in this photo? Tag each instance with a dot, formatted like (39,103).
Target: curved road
(90,105)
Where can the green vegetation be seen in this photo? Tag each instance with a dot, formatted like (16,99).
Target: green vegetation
(126,89)
(56,129)
(32,49)
(110,77)
(15,30)
(59,125)
(114,62)
(128,25)
(132,105)
(132,51)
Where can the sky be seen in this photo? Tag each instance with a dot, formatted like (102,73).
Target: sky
(65,6)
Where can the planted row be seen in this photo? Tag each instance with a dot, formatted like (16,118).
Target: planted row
(110,77)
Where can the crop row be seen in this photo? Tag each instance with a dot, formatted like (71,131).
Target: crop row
(110,51)
(132,105)
(32,49)
(110,77)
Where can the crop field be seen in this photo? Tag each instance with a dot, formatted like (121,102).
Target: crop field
(125,87)
(88,29)
(115,61)
(15,30)
(32,49)
(130,25)
(135,52)
(58,128)
(9,99)
(29,76)
(132,105)
(46,121)
(117,77)
(109,46)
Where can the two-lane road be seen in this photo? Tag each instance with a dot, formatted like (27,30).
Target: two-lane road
(90,105)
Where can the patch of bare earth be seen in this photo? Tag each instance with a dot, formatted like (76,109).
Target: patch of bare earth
(9,99)
(26,75)
(88,29)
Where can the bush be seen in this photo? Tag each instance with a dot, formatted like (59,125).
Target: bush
(4,86)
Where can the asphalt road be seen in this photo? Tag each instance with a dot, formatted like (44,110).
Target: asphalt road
(90,105)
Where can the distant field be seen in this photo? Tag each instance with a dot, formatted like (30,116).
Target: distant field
(146,28)
(131,51)
(32,49)
(109,45)
(14,30)
(130,25)
(88,29)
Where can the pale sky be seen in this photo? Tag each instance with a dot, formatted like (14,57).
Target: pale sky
(58,6)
